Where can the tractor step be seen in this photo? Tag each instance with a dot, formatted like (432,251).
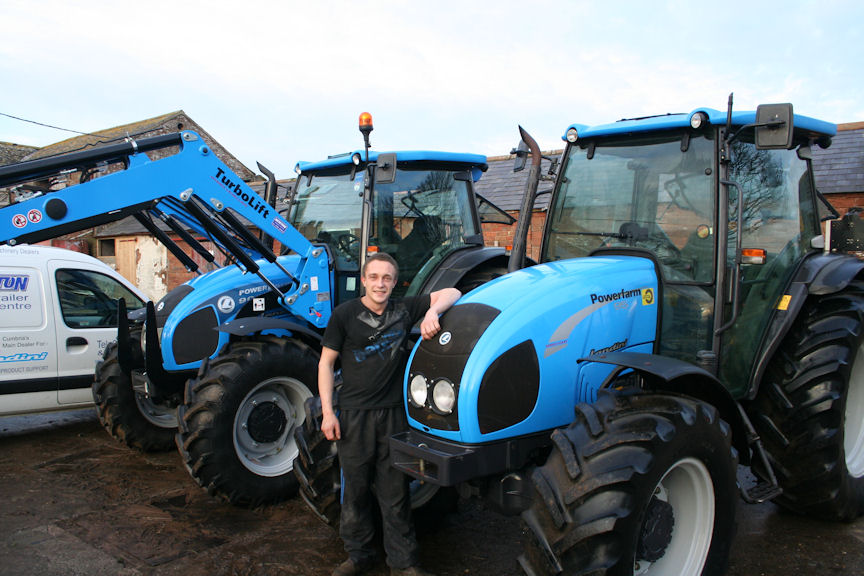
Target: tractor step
(760,492)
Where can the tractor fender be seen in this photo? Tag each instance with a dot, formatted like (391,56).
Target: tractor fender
(666,374)
(461,263)
(818,275)
(828,273)
(257,324)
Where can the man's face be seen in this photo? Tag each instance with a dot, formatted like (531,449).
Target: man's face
(379,281)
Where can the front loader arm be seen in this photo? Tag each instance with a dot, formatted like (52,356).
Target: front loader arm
(193,187)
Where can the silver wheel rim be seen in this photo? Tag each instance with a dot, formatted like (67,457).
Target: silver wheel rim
(159,415)
(277,457)
(853,433)
(687,487)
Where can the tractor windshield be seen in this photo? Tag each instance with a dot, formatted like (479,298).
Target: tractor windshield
(642,193)
(328,209)
(420,219)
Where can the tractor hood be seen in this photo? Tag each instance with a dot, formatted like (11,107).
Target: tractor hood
(189,314)
(505,361)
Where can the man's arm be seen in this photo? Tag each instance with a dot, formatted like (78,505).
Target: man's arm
(440,302)
(326,383)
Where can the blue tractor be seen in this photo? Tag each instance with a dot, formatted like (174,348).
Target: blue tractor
(222,364)
(687,317)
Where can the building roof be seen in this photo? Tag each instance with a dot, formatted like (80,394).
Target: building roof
(11,153)
(840,168)
(505,188)
(164,124)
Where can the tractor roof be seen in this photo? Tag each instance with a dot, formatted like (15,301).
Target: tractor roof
(458,160)
(803,124)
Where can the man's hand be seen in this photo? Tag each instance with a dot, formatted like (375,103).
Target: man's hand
(430,326)
(439,302)
(330,427)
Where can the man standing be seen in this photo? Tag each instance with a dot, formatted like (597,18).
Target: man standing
(369,334)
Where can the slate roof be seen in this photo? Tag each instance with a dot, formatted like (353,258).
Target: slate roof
(11,153)
(164,124)
(505,188)
(840,168)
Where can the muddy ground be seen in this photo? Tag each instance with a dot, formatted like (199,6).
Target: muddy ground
(75,502)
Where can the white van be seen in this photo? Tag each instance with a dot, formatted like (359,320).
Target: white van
(58,311)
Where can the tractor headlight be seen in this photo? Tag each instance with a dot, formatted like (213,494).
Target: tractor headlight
(698,120)
(572,135)
(417,391)
(443,397)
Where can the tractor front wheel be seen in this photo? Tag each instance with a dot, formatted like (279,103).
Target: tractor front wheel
(639,484)
(237,424)
(131,417)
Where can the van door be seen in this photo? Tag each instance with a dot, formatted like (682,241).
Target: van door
(86,297)
(28,358)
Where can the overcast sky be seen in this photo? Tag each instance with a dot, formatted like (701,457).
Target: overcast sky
(282,81)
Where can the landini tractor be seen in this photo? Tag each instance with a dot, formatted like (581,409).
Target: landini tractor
(225,361)
(686,317)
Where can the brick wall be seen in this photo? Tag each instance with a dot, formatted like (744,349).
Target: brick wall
(502,234)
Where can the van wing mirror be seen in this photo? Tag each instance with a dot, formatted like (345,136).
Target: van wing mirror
(774,126)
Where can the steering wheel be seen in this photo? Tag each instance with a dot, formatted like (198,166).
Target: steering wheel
(345,243)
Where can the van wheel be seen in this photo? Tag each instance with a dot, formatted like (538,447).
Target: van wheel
(131,418)
(236,432)
(810,409)
(638,484)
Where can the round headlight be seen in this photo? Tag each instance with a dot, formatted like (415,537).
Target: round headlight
(698,120)
(572,135)
(355,158)
(297,169)
(444,396)
(417,391)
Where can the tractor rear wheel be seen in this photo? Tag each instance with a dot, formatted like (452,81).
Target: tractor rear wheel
(128,416)
(638,484)
(319,476)
(809,411)
(237,424)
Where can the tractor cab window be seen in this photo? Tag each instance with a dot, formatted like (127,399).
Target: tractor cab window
(419,219)
(328,209)
(641,193)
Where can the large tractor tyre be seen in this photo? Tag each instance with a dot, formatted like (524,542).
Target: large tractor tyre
(809,411)
(319,476)
(236,432)
(130,417)
(638,484)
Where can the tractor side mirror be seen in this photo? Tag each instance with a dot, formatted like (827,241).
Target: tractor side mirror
(385,169)
(521,152)
(774,126)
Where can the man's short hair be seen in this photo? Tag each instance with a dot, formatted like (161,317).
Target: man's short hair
(383,256)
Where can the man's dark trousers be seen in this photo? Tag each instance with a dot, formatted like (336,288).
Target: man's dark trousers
(364,455)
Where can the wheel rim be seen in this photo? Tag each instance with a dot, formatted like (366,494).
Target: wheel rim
(159,415)
(853,436)
(687,487)
(269,449)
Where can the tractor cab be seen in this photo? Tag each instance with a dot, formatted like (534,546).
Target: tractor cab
(724,203)
(417,206)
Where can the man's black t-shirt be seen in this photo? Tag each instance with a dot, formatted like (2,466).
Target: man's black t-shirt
(372,350)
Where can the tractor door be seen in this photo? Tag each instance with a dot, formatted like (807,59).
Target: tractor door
(327,209)
(779,216)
